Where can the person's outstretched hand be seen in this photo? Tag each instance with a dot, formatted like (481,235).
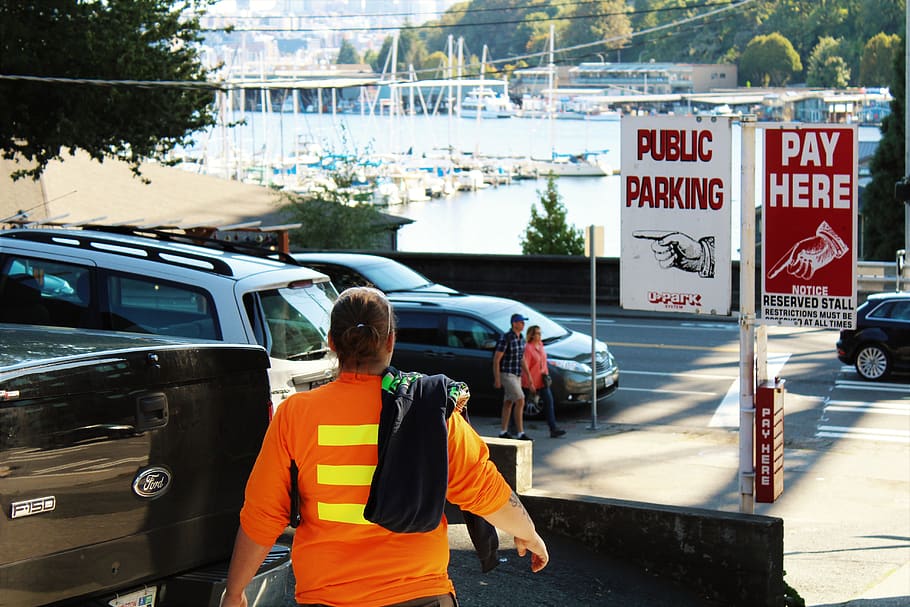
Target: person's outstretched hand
(538,549)
(809,254)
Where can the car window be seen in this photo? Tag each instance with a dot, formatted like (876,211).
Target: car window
(900,310)
(44,292)
(391,276)
(466,332)
(342,277)
(147,305)
(297,319)
(417,327)
(550,330)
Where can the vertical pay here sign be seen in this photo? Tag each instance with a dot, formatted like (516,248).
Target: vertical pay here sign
(675,217)
(809,226)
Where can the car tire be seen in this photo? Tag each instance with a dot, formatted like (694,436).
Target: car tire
(872,362)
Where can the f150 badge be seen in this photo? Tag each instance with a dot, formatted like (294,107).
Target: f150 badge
(38,505)
(152,482)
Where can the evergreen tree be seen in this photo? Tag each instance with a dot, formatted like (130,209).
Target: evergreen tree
(548,233)
(347,54)
(883,216)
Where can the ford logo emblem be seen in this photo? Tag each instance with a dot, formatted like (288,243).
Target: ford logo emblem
(152,482)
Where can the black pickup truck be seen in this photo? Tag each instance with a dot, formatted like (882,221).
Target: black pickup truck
(123,460)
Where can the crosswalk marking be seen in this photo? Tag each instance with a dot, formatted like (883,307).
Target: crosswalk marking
(881,408)
(873,434)
(727,413)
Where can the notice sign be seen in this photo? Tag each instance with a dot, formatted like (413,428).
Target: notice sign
(675,215)
(809,226)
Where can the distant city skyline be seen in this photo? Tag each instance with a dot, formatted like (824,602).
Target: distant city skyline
(420,10)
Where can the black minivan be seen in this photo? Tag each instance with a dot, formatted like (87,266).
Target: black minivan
(456,335)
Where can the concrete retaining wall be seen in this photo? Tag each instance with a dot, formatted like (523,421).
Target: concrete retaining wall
(735,559)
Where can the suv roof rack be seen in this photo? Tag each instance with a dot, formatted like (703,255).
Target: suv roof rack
(111,245)
(195,234)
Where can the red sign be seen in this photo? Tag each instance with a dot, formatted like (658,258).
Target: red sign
(769,441)
(808,236)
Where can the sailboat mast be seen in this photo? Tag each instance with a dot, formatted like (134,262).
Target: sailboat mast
(551,109)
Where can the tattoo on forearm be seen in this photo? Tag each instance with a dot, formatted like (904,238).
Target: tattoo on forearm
(516,503)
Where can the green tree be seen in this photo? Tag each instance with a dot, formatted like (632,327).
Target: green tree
(826,67)
(878,57)
(769,61)
(883,216)
(548,232)
(334,216)
(347,54)
(593,21)
(143,40)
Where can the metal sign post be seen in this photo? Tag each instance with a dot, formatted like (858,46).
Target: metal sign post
(594,246)
(747,321)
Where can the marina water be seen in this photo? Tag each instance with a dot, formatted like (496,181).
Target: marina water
(490,220)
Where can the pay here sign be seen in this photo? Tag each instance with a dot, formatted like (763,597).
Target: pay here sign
(809,226)
(675,214)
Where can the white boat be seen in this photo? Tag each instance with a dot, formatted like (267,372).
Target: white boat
(588,164)
(488,103)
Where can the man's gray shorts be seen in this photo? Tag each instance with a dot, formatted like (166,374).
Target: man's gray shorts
(511,387)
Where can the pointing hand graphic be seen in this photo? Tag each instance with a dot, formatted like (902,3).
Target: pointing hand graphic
(808,255)
(678,250)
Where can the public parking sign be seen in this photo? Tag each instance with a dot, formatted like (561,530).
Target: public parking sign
(675,217)
(809,226)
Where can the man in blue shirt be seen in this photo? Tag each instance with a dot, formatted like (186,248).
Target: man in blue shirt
(508,363)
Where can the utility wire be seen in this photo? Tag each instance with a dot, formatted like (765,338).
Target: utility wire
(229,86)
(428,26)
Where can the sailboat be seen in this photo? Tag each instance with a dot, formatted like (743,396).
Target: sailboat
(586,164)
(488,103)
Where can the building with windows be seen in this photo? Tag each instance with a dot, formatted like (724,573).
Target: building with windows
(650,78)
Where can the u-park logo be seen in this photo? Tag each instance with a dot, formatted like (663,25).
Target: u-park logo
(676,300)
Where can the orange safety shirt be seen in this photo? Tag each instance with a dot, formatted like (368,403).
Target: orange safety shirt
(340,558)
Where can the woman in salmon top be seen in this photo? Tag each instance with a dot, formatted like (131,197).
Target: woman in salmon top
(538,382)
(331,433)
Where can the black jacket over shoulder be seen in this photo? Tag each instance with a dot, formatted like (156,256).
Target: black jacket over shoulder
(408,490)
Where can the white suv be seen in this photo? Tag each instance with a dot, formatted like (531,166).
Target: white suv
(148,281)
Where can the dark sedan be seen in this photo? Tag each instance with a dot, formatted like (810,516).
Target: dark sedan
(880,343)
(363,270)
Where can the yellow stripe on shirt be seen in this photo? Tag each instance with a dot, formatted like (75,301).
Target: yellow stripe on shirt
(344,475)
(348,435)
(342,513)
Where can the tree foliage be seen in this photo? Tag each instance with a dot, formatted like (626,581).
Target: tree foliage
(883,216)
(769,61)
(878,59)
(347,54)
(548,232)
(335,216)
(827,69)
(144,40)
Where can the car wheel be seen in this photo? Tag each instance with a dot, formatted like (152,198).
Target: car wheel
(872,362)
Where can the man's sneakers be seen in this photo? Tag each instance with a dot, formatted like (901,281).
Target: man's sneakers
(521,436)
(556,432)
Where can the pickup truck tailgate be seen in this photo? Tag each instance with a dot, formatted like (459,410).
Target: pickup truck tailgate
(123,458)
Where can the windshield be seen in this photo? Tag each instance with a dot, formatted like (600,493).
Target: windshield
(550,330)
(298,319)
(390,276)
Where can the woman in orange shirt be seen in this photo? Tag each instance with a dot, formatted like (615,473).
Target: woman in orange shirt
(538,382)
(331,433)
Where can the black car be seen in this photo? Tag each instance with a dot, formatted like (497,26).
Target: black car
(457,335)
(880,343)
(363,270)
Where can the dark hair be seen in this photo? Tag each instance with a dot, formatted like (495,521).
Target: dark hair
(361,323)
